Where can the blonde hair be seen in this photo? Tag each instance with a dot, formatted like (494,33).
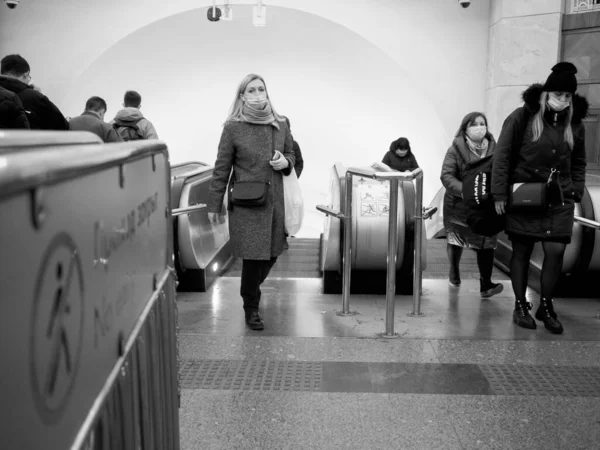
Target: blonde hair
(235,111)
(537,125)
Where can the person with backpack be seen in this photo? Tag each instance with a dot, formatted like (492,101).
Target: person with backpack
(130,123)
(540,162)
(473,142)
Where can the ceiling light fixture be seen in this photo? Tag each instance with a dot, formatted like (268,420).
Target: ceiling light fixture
(259,17)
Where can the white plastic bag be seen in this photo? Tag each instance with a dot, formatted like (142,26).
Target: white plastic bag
(294,204)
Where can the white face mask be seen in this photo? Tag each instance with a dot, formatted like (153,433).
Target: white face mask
(556,104)
(259,101)
(401,152)
(477,133)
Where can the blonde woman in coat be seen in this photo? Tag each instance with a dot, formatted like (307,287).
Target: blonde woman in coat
(256,145)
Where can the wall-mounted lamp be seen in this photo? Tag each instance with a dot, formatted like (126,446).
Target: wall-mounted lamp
(259,17)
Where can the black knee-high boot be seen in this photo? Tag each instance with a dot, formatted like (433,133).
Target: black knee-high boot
(454,255)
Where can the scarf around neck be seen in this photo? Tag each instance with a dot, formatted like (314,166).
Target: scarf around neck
(259,116)
(478,149)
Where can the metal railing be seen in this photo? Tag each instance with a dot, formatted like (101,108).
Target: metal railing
(346,217)
(587,222)
(188,209)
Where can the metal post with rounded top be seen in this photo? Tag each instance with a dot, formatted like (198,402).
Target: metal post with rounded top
(392,255)
(418,275)
(347,253)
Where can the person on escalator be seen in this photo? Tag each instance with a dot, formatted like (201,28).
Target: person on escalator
(542,143)
(473,141)
(256,146)
(400,156)
(298,167)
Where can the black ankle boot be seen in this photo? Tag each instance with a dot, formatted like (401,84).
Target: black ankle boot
(545,313)
(254,321)
(521,315)
(487,288)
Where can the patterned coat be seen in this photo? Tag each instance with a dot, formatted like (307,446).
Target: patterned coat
(246,148)
(534,161)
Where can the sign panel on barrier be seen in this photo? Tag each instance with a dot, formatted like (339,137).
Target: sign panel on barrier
(73,288)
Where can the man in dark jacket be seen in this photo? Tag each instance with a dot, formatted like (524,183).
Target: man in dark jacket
(41,112)
(92,120)
(12,114)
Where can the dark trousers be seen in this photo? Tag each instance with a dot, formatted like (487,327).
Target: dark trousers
(254,272)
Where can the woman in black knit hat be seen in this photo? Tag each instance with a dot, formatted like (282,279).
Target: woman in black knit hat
(542,142)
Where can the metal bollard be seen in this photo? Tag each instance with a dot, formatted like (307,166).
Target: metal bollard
(417,275)
(347,253)
(392,255)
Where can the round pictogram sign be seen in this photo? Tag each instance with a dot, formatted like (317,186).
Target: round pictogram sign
(56,327)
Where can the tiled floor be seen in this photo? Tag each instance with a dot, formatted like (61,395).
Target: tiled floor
(462,376)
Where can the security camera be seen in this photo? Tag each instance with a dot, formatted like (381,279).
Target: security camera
(464,3)
(213,14)
(12,4)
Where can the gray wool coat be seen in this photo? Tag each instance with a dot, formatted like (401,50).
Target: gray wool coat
(246,149)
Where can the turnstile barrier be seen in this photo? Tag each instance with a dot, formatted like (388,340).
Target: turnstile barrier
(88,342)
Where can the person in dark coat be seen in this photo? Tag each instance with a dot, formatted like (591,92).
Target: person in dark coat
(298,167)
(299,164)
(41,112)
(12,113)
(542,141)
(92,120)
(400,157)
(256,145)
(472,142)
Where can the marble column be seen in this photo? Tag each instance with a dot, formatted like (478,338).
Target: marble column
(523,44)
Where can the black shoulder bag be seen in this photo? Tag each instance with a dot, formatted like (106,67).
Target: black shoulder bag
(250,194)
(526,196)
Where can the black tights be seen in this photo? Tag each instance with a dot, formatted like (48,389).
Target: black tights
(551,268)
(485,261)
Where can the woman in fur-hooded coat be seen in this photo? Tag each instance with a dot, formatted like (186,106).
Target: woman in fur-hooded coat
(542,141)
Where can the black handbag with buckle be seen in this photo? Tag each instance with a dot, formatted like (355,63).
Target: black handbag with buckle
(250,194)
(528,196)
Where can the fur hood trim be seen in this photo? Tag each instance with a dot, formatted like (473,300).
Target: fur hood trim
(531,97)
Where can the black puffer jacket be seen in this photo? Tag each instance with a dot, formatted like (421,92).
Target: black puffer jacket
(534,161)
(12,114)
(41,112)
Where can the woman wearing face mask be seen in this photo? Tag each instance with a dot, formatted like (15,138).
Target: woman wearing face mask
(542,141)
(400,156)
(472,142)
(256,145)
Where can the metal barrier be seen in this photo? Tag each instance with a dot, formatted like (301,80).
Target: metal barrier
(346,217)
(587,222)
(88,313)
(188,210)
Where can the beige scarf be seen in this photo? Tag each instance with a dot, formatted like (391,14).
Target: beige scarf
(258,116)
(480,150)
